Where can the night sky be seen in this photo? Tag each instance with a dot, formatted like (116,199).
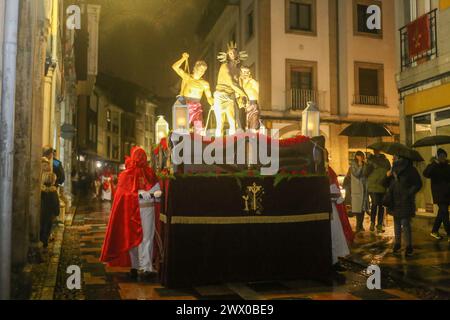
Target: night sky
(140,39)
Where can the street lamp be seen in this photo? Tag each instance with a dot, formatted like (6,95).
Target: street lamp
(311,121)
(161,129)
(180,118)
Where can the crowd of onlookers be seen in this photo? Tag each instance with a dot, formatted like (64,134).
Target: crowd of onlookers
(374,186)
(52,179)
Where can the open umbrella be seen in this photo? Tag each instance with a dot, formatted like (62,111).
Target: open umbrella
(432,141)
(366,129)
(397,149)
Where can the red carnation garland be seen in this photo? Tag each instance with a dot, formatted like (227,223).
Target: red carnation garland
(299,139)
(163,144)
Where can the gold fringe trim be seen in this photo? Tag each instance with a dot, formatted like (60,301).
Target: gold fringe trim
(248,220)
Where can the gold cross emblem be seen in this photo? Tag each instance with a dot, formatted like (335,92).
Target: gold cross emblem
(253,199)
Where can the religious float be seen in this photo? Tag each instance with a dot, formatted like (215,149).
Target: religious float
(244,206)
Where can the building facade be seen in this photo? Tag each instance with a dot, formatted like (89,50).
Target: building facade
(109,128)
(44,101)
(332,59)
(145,123)
(423,46)
(86,63)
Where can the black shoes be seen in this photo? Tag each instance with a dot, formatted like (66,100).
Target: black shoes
(380,229)
(339,267)
(136,275)
(409,252)
(133,274)
(148,276)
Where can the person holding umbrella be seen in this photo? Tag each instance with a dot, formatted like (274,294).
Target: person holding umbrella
(439,173)
(404,186)
(375,171)
(360,203)
(403,183)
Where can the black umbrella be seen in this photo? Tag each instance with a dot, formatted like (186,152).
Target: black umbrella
(432,141)
(366,129)
(397,149)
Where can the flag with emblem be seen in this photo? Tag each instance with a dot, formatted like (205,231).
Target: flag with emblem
(419,36)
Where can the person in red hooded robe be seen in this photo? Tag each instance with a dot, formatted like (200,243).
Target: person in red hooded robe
(131,228)
(341,231)
(107,185)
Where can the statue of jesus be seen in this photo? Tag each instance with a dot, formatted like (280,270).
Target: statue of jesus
(228,89)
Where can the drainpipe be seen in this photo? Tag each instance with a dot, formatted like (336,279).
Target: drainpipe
(338,50)
(7,142)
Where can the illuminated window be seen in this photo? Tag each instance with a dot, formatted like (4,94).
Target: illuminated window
(108,120)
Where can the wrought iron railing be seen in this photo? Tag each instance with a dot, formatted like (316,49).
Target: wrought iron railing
(369,100)
(407,60)
(299,98)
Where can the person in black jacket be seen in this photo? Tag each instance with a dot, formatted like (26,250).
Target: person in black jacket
(58,169)
(405,182)
(439,173)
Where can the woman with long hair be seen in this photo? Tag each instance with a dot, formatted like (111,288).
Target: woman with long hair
(359,190)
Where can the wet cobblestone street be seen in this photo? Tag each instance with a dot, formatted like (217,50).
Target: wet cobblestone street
(83,237)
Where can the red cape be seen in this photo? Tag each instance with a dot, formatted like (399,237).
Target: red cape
(124,230)
(348,232)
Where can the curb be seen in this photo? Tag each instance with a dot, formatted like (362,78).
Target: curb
(47,289)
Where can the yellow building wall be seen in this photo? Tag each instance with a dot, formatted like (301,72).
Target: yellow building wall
(428,100)
(444,4)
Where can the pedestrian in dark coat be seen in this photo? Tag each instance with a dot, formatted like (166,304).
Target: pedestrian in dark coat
(405,183)
(439,173)
(58,170)
(375,171)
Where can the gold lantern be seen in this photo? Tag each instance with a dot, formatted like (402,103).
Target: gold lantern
(162,129)
(180,120)
(311,121)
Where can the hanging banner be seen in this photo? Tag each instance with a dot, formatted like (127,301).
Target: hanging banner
(419,37)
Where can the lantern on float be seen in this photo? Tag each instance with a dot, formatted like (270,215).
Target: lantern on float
(161,129)
(311,121)
(180,118)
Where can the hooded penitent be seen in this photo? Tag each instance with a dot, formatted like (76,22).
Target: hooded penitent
(125,229)
(348,232)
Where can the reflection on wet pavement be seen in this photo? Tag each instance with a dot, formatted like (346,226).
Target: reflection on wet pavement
(83,240)
(428,267)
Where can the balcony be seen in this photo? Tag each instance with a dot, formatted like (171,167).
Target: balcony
(419,41)
(369,100)
(299,98)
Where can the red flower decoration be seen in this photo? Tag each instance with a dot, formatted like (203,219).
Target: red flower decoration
(164,144)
